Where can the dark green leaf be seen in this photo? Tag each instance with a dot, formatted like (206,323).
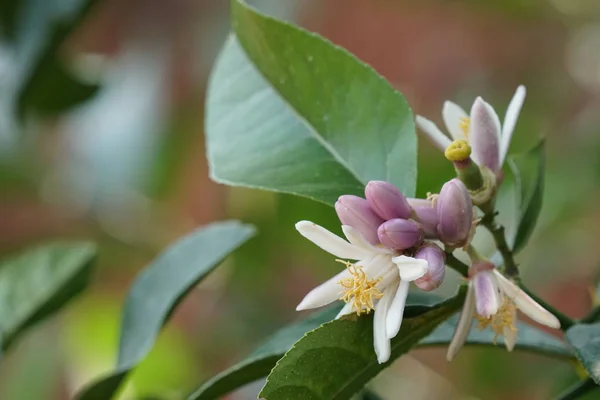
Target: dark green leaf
(262,360)
(337,359)
(159,288)
(293,113)
(38,282)
(530,339)
(528,170)
(585,340)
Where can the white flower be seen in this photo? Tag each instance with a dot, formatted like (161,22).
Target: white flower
(493,300)
(488,140)
(379,280)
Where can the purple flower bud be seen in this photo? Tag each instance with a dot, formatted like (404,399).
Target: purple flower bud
(356,212)
(436,270)
(426,215)
(399,234)
(487,300)
(455,213)
(485,135)
(386,200)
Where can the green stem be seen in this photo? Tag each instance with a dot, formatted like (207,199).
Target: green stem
(457,265)
(578,390)
(565,322)
(497,231)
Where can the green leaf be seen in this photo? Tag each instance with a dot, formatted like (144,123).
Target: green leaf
(262,360)
(585,340)
(528,170)
(36,31)
(38,282)
(336,360)
(159,288)
(288,111)
(530,339)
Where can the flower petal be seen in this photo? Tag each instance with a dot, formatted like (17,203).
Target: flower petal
(487,300)
(410,268)
(454,115)
(380,341)
(434,134)
(325,293)
(330,242)
(525,303)
(358,240)
(510,120)
(464,324)
(396,311)
(484,136)
(510,335)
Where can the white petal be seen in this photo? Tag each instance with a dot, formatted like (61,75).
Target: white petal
(357,239)
(484,136)
(347,309)
(410,268)
(330,242)
(325,293)
(464,325)
(525,303)
(510,336)
(510,120)
(434,134)
(380,341)
(396,311)
(453,116)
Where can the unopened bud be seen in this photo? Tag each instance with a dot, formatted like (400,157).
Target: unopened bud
(356,212)
(455,213)
(386,200)
(436,271)
(399,234)
(426,215)
(485,135)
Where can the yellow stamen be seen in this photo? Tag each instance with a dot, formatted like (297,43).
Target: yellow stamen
(504,318)
(465,124)
(359,289)
(459,150)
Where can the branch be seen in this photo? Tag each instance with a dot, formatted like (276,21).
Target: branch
(457,265)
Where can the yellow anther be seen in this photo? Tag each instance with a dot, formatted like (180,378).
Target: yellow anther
(359,289)
(465,124)
(504,318)
(459,150)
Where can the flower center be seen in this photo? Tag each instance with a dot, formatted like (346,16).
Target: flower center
(359,289)
(504,318)
(465,124)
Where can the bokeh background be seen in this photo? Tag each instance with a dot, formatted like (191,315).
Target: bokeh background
(125,165)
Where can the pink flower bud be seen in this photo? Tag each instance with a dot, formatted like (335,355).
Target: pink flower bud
(386,200)
(455,213)
(399,234)
(356,212)
(426,216)
(436,270)
(485,135)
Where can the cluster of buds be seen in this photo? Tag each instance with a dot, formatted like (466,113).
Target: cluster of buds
(391,239)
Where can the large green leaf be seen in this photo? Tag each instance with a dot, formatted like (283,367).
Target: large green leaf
(585,340)
(528,170)
(288,111)
(38,282)
(529,339)
(336,360)
(260,362)
(35,32)
(159,288)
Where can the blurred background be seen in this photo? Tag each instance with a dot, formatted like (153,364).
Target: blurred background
(101,136)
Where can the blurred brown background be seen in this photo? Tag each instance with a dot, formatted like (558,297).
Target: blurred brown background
(128,169)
